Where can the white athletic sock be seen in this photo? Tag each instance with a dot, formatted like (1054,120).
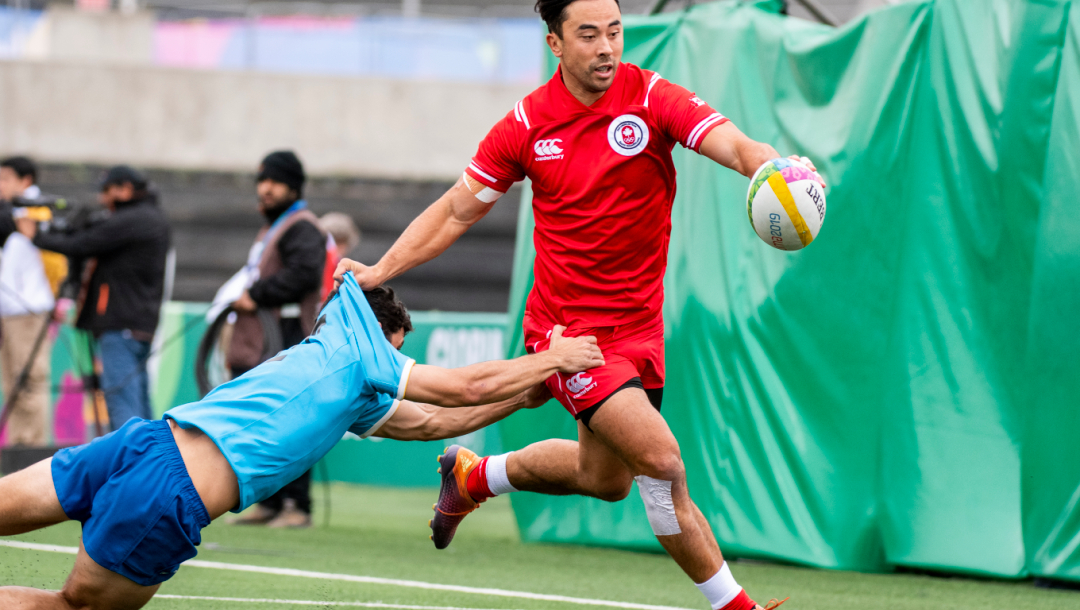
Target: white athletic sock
(497,480)
(721,588)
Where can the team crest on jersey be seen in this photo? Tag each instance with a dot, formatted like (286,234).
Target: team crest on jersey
(628,135)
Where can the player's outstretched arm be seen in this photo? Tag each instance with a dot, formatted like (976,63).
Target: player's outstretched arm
(422,422)
(497,380)
(426,237)
(731,148)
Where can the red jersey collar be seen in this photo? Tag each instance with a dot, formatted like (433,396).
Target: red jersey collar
(599,105)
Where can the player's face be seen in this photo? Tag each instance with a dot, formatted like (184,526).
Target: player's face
(398,339)
(591,44)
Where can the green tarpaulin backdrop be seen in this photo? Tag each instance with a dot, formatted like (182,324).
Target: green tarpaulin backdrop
(904,392)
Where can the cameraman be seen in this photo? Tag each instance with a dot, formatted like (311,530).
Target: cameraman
(127,281)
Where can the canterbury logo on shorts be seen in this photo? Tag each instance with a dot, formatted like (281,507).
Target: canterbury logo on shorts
(579,384)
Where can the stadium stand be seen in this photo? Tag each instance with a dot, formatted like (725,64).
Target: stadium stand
(213,220)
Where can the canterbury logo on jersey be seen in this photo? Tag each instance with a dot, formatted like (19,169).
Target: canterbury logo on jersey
(549,149)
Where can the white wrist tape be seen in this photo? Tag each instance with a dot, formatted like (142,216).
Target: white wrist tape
(656,495)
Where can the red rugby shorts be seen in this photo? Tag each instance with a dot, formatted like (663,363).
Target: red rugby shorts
(632,350)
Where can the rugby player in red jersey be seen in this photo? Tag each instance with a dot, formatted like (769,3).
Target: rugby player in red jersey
(596,142)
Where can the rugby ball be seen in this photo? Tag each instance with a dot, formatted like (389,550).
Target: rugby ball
(786,204)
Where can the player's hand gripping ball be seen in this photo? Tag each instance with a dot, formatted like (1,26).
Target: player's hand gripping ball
(786,204)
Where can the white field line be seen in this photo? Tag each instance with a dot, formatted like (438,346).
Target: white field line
(371,580)
(300,602)
(33,546)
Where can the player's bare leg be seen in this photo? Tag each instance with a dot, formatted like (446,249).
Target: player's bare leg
(560,467)
(589,468)
(88,587)
(640,436)
(28,500)
(629,438)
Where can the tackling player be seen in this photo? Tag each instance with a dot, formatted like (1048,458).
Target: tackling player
(596,142)
(144,492)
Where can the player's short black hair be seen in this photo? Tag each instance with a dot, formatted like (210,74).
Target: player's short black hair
(389,310)
(22,166)
(553,12)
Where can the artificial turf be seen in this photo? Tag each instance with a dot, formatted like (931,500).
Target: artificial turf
(383,533)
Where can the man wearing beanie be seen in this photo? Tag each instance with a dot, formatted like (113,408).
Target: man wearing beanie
(285,268)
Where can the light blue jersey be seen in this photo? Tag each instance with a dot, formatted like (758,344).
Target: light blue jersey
(273,423)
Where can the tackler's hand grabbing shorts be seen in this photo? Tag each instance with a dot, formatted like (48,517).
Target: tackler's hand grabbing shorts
(633,357)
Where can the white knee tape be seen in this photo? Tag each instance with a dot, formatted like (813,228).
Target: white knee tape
(656,495)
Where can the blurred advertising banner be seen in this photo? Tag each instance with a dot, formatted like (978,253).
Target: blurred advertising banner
(479,50)
(492,50)
(17,27)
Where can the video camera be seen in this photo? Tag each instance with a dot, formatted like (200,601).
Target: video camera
(56,215)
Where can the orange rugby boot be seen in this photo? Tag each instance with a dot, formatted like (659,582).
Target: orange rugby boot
(773,603)
(454,503)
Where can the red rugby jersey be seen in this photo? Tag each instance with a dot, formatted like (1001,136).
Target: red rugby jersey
(603,184)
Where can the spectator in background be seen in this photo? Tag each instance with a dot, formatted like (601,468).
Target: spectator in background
(126,284)
(345,237)
(26,302)
(285,269)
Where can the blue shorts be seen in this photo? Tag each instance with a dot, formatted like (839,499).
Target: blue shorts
(140,512)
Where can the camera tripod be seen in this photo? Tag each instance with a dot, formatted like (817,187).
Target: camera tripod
(91,382)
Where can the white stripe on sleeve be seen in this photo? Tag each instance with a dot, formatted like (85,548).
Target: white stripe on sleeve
(655,77)
(520,108)
(476,169)
(692,140)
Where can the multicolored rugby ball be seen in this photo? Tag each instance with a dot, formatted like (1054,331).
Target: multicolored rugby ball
(786,204)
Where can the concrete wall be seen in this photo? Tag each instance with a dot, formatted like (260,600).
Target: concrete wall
(186,119)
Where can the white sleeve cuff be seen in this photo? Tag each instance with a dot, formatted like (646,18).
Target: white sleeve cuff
(382,420)
(405,371)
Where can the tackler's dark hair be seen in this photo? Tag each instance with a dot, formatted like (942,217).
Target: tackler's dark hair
(389,310)
(553,13)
